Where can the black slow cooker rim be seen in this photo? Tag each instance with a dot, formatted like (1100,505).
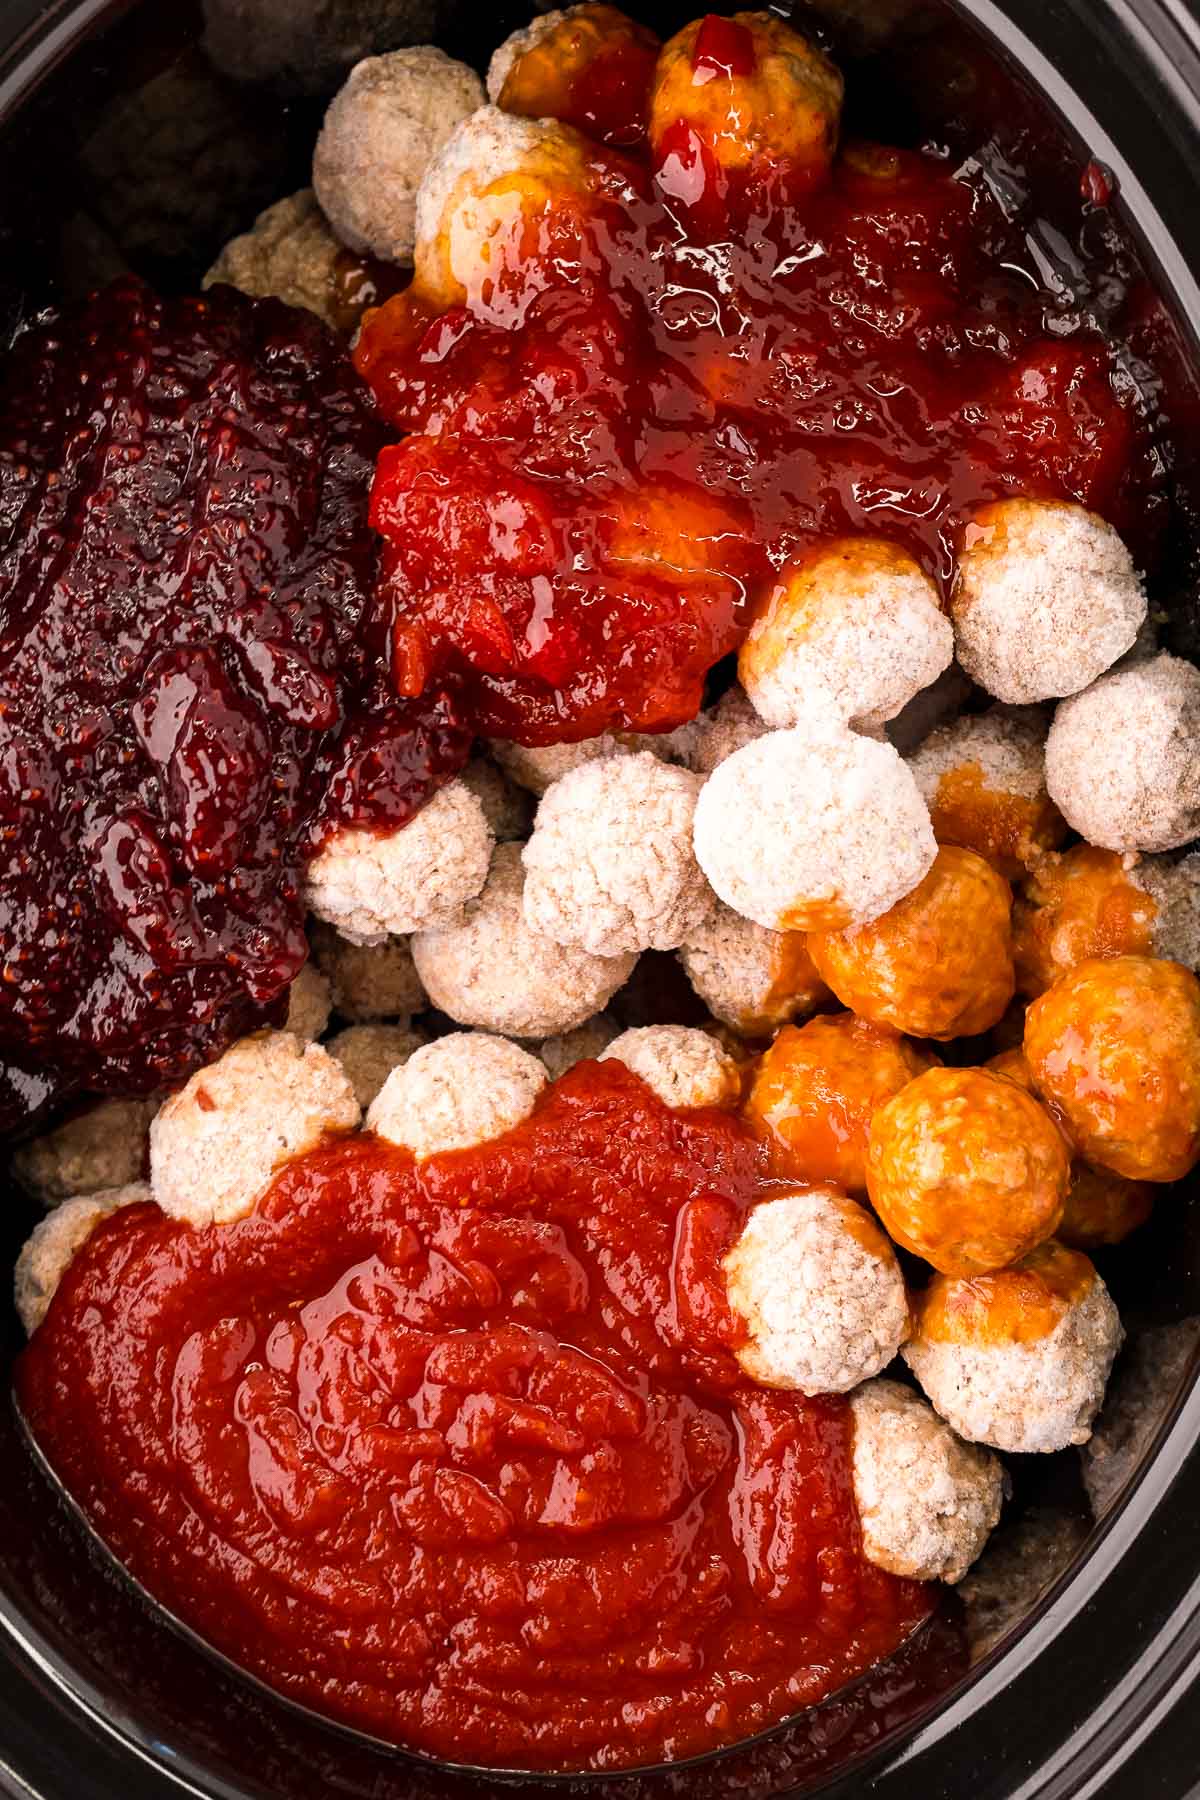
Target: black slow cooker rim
(1099,1691)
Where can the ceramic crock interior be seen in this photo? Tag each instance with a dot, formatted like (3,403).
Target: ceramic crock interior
(136,153)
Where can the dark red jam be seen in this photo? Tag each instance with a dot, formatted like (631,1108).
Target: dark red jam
(458,1453)
(605,473)
(193,683)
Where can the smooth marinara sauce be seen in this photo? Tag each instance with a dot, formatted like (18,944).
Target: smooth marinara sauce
(459,1453)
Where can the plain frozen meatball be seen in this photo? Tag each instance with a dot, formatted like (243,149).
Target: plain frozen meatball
(934,707)
(310,1002)
(813,829)
(1046,599)
(1174,887)
(750,978)
(368,1054)
(215,1145)
(610,865)
(457,1092)
(496,972)
(506,805)
(1123,759)
(103,1146)
(683,1066)
(368,981)
(388,884)
(586,1042)
(927,1501)
(819,1291)
(967,1170)
(854,628)
(288,254)
(983,779)
(1019,1358)
(538,767)
(306,46)
(716,733)
(56,1241)
(381,132)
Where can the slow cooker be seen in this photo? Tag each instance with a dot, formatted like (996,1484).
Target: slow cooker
(1084,1673)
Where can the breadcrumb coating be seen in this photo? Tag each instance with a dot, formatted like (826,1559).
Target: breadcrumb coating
(56,1241)
(103,1146)
(215,1145)
(680,1064)
(457,1092)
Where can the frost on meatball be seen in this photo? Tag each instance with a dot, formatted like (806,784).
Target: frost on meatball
(506,804)
(610,865)
(497,972)
(306,46)
(983,779)
(1018,1358)
(103,1146)
(587,1041)
(215,1145)
(813,829)
(289,254)
(819,1291)
(683,1066)
(720,730)
(854,629)
(381,132)
(310,1002)
(494,174)
(56,1241)
(1046,599)
(368,1054)
(750,978)
(927,1501)
(1123,759)
(457,1092)
(368,981)
(375,885)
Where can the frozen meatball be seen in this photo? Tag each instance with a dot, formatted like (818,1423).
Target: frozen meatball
(817,1089)
(610,865)
(387,884)
(493,175)
(306,46)
(1019,1358)
(819,1291)
(1123,759)
(1046,599)
(215,1145)
(539,766)
(750,978)
(927,1501)
(289,254)
(1114,1048)
(368,1054)
(558,62)
(716,733)
(813,829)
(54,1244)
(457,1092)
(382,130)
(1174,889)
(368,981)
(935,706)
(506,805)
(310,1002)
(497,972)
(854,628)
(587,1041)
(983,779)
(967,1170)
(682,1066)
(103,1146)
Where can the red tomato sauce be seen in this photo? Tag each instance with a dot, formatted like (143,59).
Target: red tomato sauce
(669,394)
(459,1454)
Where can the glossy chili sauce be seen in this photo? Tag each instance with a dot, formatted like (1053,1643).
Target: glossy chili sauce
(459,1453)
(677,389)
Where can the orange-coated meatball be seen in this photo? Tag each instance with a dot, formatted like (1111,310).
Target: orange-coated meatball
(1082,904)
(589,66)
(967,1170)
(939,964)
(817,1089)
(1114,1047)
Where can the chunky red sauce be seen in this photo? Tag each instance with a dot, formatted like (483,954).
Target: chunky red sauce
(459,1454)
(684,384)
